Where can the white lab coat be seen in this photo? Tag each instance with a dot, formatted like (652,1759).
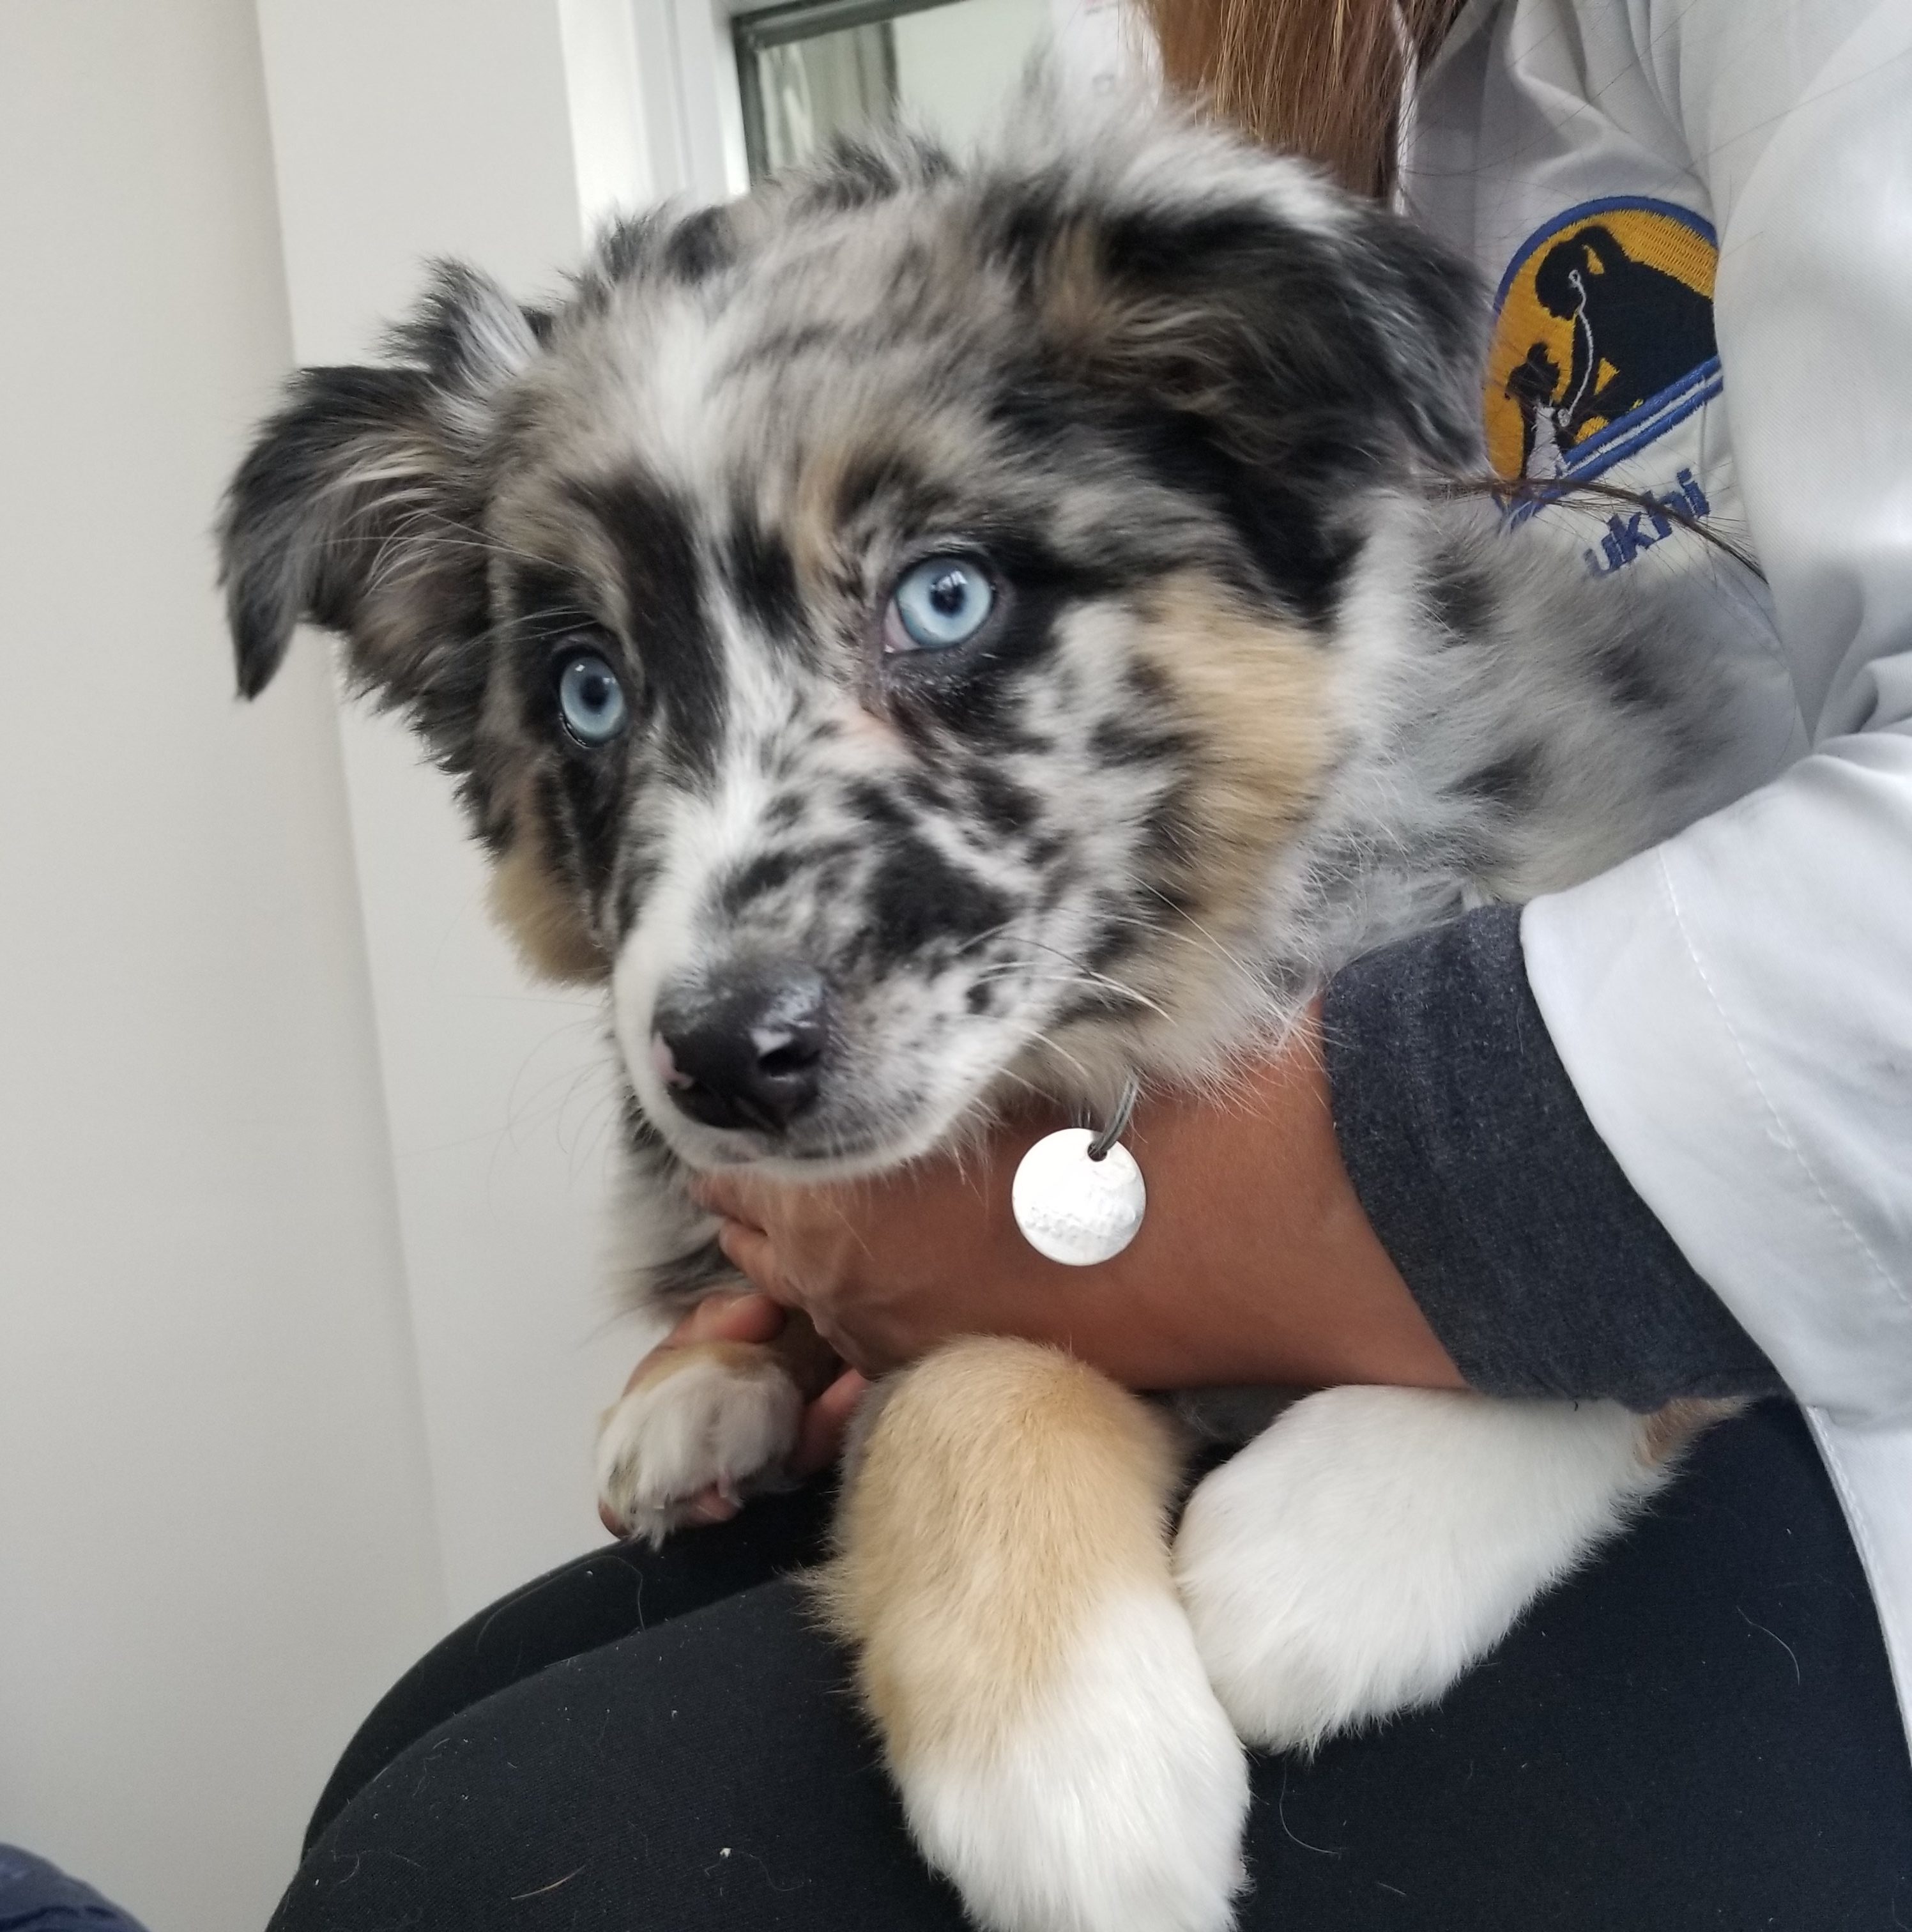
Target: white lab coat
(1735,1006)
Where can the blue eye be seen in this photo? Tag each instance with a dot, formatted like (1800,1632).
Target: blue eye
(591,700)
(941,602)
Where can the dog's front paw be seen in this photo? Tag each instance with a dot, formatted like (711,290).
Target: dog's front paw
(1114,1800)
(1355,1559)
(714,1415)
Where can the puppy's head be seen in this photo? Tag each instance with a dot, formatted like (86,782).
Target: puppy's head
(886,628)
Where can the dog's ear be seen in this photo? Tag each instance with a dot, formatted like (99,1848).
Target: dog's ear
(1310,329)
(357,507)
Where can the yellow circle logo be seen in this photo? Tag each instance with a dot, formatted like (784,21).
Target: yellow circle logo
(1602,338)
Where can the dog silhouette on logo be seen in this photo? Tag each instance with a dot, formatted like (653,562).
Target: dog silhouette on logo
(1636,331)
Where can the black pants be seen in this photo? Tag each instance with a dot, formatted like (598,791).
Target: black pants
(1699,1730)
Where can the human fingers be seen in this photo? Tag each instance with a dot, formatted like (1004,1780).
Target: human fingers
(752,1252)
(820,1434)
(710,1506)
(737,1197)
(737,1316)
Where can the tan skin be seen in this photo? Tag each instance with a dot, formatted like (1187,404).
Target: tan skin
(1255,1263)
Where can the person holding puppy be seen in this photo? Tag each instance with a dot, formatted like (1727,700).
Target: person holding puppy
(1650,1139)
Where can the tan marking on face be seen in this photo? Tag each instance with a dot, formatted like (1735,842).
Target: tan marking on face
(536,520)
(815,548)
(1668,1431)
(1257,694)
(1174,346)
(1005,1493)
(1073,300)
(868,421)
(538,910)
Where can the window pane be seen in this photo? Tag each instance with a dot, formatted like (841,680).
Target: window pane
(811,90)
(946,68)
(956,65)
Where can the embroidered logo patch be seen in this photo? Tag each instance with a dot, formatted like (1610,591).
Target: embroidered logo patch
(1602,338)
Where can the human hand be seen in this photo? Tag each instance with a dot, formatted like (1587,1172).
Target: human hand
(1255,1263)
(755,1318)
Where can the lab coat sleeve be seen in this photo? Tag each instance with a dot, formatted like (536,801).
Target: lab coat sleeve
(1735,1007)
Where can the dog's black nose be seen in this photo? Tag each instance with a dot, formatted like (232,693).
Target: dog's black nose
(746,1049)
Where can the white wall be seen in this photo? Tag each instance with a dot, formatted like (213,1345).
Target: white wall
(217,1545)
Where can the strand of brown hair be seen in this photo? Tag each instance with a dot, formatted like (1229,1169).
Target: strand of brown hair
(1541,491)
(1322,78)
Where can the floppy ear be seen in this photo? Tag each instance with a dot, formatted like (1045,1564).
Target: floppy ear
(1311,329)
(358,508)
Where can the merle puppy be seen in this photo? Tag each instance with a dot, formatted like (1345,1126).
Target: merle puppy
(924,631)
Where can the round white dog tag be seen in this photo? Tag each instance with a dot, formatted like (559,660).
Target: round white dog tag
(1073,1209)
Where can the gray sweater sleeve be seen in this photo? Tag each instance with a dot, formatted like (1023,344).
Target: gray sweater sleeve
(1540,1269)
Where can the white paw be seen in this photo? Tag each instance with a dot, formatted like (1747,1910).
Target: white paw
(1112,1801)
(723,1415)
(1353,1560)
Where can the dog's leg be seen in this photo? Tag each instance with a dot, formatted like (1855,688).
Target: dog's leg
(712,1414)
(1003,1574)
(1353,1560)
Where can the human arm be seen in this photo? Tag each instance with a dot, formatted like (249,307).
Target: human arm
(1734,1008)
(1255,1263)
(1512,1255)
